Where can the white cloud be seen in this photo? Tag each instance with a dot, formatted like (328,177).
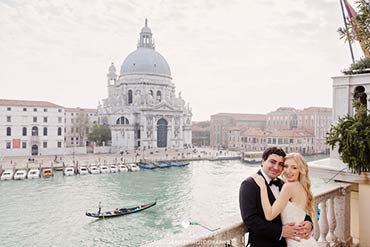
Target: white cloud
(241,56)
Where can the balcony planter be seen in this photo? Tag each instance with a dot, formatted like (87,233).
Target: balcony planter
(352,136)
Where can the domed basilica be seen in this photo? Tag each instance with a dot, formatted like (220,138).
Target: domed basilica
(142,109)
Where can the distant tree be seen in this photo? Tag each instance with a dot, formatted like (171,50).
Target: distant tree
(100,134)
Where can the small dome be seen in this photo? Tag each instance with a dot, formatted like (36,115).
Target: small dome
(146,61)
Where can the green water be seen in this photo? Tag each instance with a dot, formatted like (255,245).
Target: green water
(50,212)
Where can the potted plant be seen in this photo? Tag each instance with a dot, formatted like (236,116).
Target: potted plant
(352,136)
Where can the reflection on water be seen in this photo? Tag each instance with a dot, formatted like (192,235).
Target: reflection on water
(50,212)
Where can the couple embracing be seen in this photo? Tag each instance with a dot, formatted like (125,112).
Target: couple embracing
(277,215)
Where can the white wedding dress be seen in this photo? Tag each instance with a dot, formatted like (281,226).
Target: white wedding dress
(294,213)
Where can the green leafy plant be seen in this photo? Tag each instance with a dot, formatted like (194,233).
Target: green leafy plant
(352,135)
(360,67)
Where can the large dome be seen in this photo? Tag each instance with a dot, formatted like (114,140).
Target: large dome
(145,60)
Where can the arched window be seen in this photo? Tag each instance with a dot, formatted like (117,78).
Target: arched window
(130,96)
(59,131)
(159,96)
(45,131)
(122,120)
(24,131)
(8,131)
(35,131)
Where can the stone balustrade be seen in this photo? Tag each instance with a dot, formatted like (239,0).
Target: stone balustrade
(331,226)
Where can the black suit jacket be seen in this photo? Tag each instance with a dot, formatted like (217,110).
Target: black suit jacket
(261,232)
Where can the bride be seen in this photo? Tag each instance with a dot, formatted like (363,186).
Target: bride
(295,199)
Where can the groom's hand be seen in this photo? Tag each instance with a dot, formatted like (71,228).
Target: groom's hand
(305,229)
(291,231)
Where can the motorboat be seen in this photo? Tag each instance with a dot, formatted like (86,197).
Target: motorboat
(146,165)
(69,171)
(82,170)
(113,168)
(20,175)
(7,174)
(47,172)
(122,168)
(104,169)
(33,173)
(120,211)
(94,170)
(133,167)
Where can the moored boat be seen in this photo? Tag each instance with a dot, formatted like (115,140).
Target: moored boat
(33,173)
(146,165)
(20,174)
(122,168)
(94,170)
(120,211)
(82,170)
(133,167)
(7,174)
(69,171)
(47,172)
(104,169)
(113,168)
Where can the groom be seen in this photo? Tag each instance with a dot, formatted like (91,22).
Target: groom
(262,232)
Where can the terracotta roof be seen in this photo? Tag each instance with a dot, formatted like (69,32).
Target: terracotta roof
(29,103)
(242,116)
(78,109)
(254,132)
(199,128)
(290,133)
(317,109)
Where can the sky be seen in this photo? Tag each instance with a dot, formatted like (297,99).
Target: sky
(236,56)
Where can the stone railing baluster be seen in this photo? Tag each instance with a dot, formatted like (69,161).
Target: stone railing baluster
(324,227)
(332,222)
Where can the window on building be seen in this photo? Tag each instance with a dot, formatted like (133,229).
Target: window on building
(45,131)
(45,119)
(72,130)
(59,119)
(34,109)
(72,120)
(72,114)
(59,131)
(35,119)
(8,131)
(8,119)
(72,138)
(35,131)
(24,109)
(130,96)
(24,144)
(9,109)
(59,144)
(45,110)
(24,131)
(45,144)
(8,145)
(159,96)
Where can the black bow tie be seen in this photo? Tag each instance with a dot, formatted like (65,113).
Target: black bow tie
(275,181)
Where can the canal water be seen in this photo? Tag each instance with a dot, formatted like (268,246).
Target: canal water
(51,212)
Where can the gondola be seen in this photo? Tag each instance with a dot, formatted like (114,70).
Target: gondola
(120,211)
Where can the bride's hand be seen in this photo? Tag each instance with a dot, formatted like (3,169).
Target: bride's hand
(260,181)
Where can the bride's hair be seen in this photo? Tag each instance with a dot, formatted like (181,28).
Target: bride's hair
(304,180)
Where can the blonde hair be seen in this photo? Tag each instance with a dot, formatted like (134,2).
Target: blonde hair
(304,180)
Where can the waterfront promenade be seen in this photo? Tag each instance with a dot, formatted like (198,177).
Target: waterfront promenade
(129,156)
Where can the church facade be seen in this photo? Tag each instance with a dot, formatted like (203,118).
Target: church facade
(142,109)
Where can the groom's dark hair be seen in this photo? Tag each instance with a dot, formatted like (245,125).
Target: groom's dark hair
(273,150)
